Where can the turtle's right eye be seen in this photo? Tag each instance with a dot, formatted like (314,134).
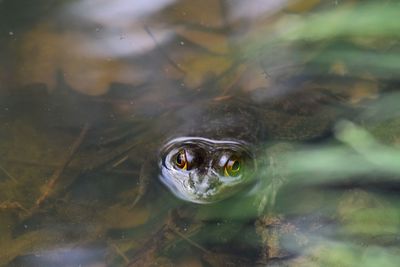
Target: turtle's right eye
(232,167)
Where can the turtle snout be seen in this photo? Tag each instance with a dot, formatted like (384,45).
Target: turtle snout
(204,184)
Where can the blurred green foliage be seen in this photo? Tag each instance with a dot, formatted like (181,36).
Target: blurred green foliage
(332,202)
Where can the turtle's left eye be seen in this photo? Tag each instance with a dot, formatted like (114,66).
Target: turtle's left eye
(232,167)
(181,160)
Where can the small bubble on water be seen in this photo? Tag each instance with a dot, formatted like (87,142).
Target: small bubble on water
(11,33)
(182,43)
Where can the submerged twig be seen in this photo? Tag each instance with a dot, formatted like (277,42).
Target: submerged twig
(163,53)
(8,174)
(167,233)
(70,167)
(149,248)
(143,183)
(119,252)
(6,205)
(120,161)
(191,242)
(57,174)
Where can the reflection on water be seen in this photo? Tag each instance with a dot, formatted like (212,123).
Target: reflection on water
(119,27)
(63,257)
(119,13)
(91,91)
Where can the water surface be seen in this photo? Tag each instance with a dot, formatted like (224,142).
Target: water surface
(91,90)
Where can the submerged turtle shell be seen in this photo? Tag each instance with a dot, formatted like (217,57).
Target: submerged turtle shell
(214,132)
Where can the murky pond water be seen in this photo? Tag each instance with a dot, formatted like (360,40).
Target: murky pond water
(199,133)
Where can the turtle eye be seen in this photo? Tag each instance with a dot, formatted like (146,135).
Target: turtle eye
(232,167)
(181,160)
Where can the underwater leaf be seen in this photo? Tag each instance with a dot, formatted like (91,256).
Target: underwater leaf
(119,216)
(202,66)
(207,13)
(213,42)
